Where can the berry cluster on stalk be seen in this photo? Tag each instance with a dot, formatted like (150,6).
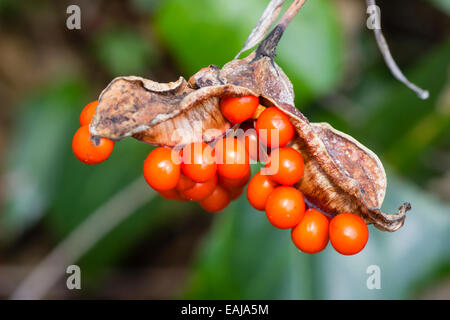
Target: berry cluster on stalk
(216,174)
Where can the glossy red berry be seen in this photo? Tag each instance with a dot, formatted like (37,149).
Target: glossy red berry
(285,166)
(285,207)
(235,193)
(184,183)
(85,150)
(232,159)
(230,184)
(88,113)
(253,146)
(348,233)
(198,162)
(200,190)
(171,194)
(162,169)
(273,122)
(311,234)
(259,189)
(238,109)
(216,201)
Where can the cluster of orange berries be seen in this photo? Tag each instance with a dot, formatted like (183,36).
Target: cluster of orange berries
(216,175)
(83,146)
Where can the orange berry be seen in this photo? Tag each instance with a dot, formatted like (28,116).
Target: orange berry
(198,162)
(348,233)
(171,194)
(216,201)
(235,193)
(273,121)
(200,190)
(232,159)
(85,150)
(238,109)
(231,184)
(259,189)
(160,170)
(184,183)
(252,145)
(285,166)
(285,207)
(88,113)
(311,234)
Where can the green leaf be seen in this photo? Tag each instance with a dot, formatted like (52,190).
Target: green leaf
(311,50)
(41,139)
(203,32)
(141,6)
(117,244)
(444,5)
(83,189)
(402,126)
(244,257)
(404,257)
(124,52)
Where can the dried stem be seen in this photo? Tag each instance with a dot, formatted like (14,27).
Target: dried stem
(268,17)
(291,12)
(84,237)
(390,62)
(269,45)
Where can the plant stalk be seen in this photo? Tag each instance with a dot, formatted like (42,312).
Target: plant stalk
(390,62)
(269,44)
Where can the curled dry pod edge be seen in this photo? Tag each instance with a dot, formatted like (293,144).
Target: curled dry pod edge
(341,175)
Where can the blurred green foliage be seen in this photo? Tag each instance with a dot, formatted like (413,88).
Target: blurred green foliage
(242,256)
(406,141)
(36,163)
(203,32)
(443,4)
(123,51)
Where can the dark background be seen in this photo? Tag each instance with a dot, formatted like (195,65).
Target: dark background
(165,249)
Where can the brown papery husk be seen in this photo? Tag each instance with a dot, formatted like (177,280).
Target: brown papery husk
(341,175)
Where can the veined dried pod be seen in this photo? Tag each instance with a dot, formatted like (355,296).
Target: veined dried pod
(340,175)
(157,113)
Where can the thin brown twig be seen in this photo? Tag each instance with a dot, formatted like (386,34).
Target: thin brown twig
(291,12)
(268,17)
(269,44)
(44,276)
(390,62)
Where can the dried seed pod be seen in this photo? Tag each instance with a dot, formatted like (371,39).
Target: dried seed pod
(167,114)
(340,174)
